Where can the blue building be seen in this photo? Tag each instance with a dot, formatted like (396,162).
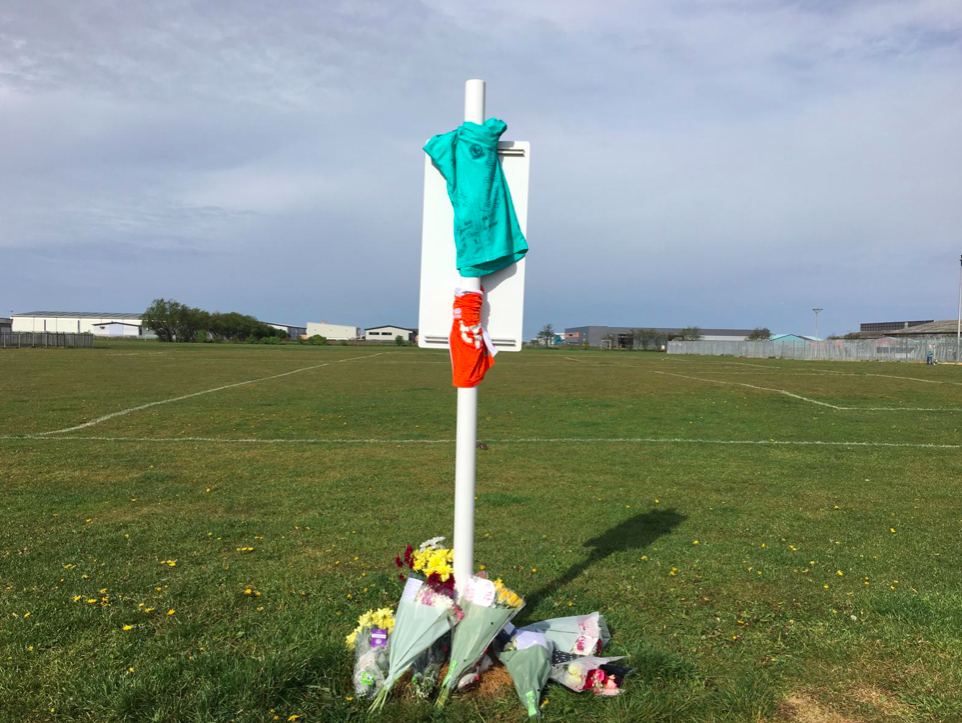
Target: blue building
(792,339)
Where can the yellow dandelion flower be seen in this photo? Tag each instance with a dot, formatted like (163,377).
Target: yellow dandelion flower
(127,627)
(171,611)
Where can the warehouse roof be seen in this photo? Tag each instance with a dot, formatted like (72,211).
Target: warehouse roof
(82,314)
(946,326)
(390,326)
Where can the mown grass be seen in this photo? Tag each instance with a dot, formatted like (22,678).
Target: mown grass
(754,622)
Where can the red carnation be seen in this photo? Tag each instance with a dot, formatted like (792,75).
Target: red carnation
(397,561)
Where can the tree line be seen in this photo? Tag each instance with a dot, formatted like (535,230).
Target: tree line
(172,321)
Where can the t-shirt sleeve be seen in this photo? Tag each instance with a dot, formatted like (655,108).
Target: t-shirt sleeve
(441,150)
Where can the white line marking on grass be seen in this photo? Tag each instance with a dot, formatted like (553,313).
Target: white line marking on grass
(122,412)
(752,386)
(758,366)
(815,401)
(529,440)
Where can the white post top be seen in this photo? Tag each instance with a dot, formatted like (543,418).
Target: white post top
(473,112)
(474,101)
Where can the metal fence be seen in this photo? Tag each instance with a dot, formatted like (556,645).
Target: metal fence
(909,350)
(43,339)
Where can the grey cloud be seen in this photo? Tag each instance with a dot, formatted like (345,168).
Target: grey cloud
(698,162)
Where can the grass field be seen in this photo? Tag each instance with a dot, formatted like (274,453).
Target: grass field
(769,540)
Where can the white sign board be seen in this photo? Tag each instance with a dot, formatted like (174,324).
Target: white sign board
(503,311)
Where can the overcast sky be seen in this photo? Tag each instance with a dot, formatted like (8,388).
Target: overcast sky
(718,163)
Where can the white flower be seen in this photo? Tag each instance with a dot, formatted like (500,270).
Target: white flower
(433,544)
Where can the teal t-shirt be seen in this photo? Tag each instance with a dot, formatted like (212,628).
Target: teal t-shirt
(486,230)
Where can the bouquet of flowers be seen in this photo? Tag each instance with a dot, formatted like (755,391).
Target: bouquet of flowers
(423,616)
(487,607)
(527,656)
(426,668)
(578,634)
(585,673)
(369,641)
(430,563)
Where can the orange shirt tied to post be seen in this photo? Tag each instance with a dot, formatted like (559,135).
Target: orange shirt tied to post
(472,352)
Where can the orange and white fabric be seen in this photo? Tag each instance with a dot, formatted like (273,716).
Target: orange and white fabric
(472,352)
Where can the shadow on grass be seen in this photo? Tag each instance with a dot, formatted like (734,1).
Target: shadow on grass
(635,533)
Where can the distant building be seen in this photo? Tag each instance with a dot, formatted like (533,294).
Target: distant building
(623,337)
(294,332)
(389,333)
(792,338)
(334,332)
(78,322)
(123,328)
(947,327)
(880,328)
(6,324)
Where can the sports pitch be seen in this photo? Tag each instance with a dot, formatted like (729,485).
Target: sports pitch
(770,540)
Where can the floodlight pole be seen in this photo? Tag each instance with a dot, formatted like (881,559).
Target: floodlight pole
(467,435)
(817,312)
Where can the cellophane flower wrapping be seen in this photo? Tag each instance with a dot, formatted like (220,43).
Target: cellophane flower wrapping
(579,673)
(425,669)
(370,641)
(487,607)
(421,619)
(529,667)
(578,634)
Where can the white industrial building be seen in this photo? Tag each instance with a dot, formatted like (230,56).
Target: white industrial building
(122,328)
(333,332)
(389,333)
(83,322)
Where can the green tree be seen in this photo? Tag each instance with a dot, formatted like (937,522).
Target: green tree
(161,318)
(645,338)
(760,333)
(546,335)
(399,340)
(690,333)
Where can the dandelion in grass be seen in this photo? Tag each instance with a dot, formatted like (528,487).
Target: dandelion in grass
(128,627)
